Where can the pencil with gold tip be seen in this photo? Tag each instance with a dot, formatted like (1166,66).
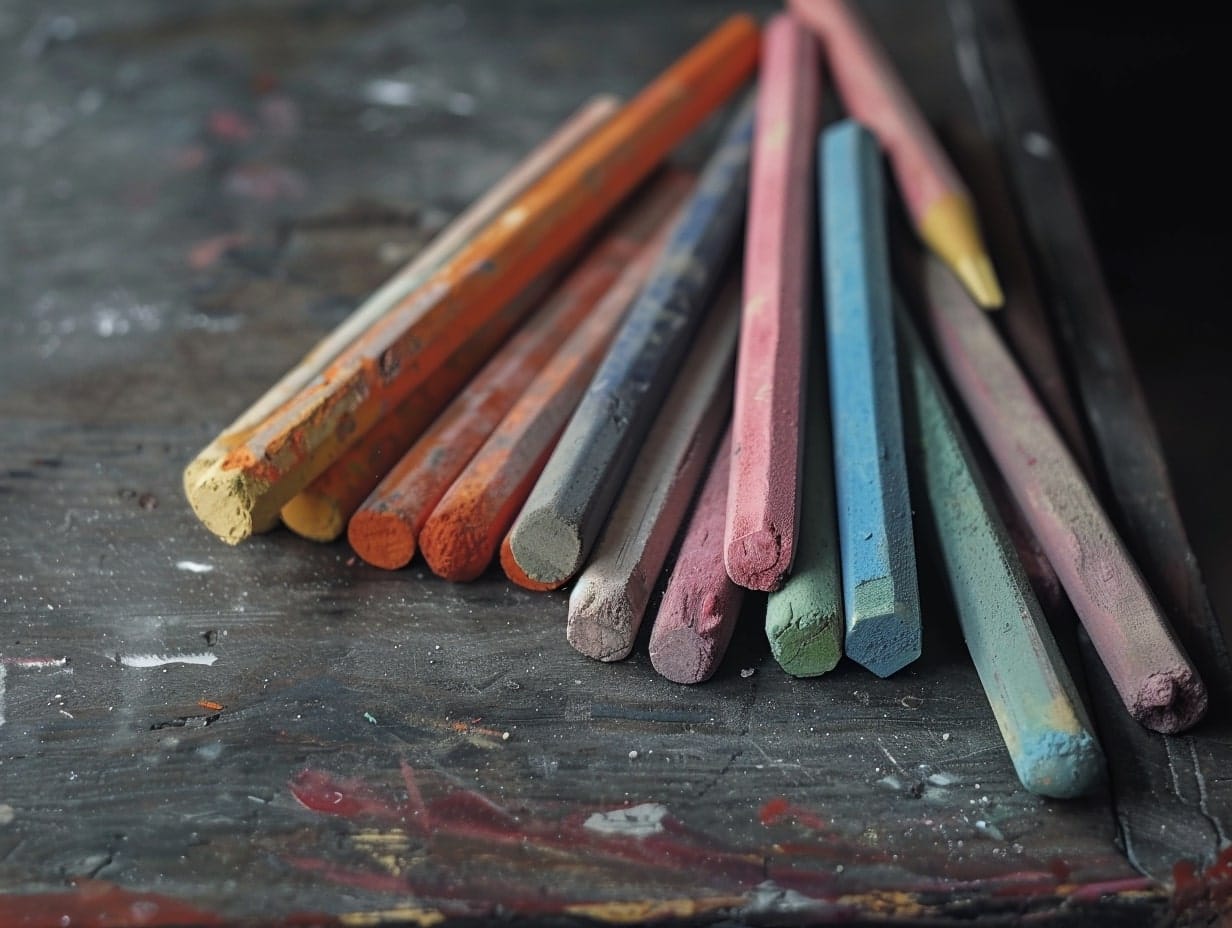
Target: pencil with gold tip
(940,205)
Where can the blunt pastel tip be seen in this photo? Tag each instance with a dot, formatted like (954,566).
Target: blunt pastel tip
(548,550)
(756,560)
(977,275)
(1169,701)
(1060,765)
(885,643)
(382,539)
(602,621)
(683,656)
(806,644)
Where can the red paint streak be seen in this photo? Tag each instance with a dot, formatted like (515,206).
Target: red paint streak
(779,808)
(773,810)
(97,904)
(345,798)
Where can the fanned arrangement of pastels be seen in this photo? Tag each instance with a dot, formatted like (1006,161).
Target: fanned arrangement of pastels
(609,365)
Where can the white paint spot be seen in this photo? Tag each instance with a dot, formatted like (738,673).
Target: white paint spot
(940,779)
(194,567)
(35,663)
(891,781)
(990,829)
(388,92)
(204,658)
(4,674)
(6,813)
(1038,145)
(748,672)
(634,822)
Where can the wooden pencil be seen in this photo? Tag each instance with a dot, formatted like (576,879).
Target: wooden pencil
(610,597)
(938,201)
(1157,683)
(695,621)
(804,618)
(880,593)
(384,530)
(321,510)
(1038,711)
(763,503)
(582,124)
(565,511)
(466,526)
(265,466)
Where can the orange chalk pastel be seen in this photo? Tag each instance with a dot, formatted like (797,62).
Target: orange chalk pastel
(517,575)
(385,529)
(268,464)
(464,530)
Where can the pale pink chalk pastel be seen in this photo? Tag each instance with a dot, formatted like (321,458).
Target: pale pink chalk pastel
(763,501)
(701,603)
(1156,681)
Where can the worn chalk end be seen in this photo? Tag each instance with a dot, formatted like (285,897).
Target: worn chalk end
(1060,765)
(314,517)
(1170,701)
(804,642)
(231,504)
(683,656)
(884,643)
(382,539)
(602,621)
(515,573)
(453,551)
(758,560)
(546,547)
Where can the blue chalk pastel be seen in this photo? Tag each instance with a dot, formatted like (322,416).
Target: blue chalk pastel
(1037,707)
(876,546)
(565,511)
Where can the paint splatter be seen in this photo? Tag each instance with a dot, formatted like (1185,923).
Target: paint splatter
(203,658)
(194,567)
(632,822)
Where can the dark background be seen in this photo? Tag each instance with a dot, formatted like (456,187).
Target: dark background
(1134,95)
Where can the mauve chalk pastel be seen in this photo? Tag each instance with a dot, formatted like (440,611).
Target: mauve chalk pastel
(1157,683)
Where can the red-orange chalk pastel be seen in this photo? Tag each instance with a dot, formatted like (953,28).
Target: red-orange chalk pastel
(267,465)
(464,530)
(763,501)
(385,530)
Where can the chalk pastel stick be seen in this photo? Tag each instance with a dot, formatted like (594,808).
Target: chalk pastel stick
(701,604)
(1042,721)
(939,203)
(265,466)
(804,618)
(1157,683)
(466,226)
(880,593)
(763,503)
(384,531)
(563,516)
(611,594)
(321,510)
(466,526)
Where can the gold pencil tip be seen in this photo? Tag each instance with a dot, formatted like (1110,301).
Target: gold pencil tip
(976,273)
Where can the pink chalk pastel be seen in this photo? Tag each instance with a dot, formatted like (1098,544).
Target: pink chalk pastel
(763,499)
(701,604)
(1157,683)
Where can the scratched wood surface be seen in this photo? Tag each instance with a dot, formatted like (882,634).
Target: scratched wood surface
(188,200)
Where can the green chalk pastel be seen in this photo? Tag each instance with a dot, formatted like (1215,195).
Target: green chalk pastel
(804,618)
(1036,705)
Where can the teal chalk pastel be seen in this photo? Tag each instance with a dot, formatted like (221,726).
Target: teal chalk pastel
(876,546)
(1036,705)
(804,618)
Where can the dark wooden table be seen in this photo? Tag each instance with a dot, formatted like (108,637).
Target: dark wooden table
(190,196)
